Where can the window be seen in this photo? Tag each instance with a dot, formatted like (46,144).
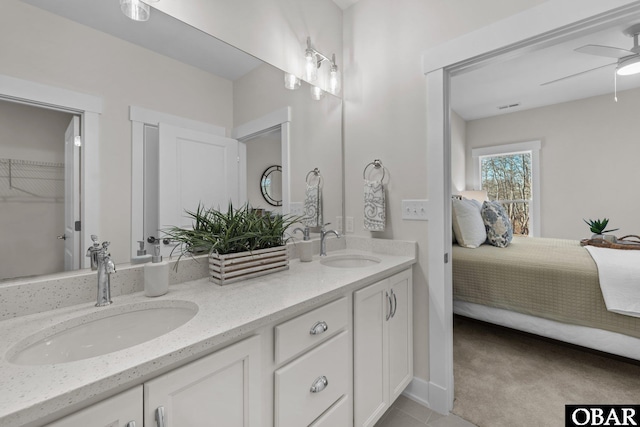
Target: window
(509,175)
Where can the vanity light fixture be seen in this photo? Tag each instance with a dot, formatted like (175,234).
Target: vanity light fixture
(136,9)
(313,61)
(291,82)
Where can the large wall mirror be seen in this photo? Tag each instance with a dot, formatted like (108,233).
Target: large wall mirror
(171,69)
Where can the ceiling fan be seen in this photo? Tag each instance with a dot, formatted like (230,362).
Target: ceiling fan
(628,62)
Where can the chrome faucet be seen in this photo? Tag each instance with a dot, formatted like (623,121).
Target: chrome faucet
(101,261)
(305,232)
(323,237)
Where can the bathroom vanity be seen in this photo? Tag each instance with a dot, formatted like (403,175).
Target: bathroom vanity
(316,345)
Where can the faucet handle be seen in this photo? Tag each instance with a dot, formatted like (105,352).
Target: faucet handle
(94,238)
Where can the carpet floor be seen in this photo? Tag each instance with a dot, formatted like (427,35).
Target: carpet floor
(506,378)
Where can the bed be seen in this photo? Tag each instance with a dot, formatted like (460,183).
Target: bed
(545,286)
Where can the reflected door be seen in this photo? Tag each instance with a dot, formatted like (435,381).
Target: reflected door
(195,167)
(71,195)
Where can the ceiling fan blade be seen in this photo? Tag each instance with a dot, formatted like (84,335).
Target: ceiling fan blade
(578,74)
(608,51)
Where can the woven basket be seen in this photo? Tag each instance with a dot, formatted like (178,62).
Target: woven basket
(626,242)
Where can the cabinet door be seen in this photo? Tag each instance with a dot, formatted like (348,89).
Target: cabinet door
(222,389)
(370,362)
(122,410)
(400,334)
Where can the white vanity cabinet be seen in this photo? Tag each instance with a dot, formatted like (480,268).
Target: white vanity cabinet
(222,389)
(314,387)
(121,410)
(383,345)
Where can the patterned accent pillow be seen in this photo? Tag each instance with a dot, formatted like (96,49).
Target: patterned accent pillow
(497,224)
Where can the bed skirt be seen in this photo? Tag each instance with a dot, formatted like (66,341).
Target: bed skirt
(597,339)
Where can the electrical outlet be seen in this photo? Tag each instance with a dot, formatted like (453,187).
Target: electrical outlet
(339,224)
(349,224)
(296,208)
(415,210)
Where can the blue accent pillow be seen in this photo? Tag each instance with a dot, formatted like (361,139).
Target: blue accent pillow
(497,224)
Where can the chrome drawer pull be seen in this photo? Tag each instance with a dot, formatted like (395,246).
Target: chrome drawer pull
(319,384)
(390,306)
(395,304)
(319,328)
(131,424)
(160,416)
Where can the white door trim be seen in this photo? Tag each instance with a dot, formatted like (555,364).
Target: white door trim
(531,29)
(140,117)
(89,107)
(281,118)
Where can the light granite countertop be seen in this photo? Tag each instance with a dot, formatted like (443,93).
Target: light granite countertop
(225,313)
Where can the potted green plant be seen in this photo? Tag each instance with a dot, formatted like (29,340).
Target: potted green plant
(241,243)
(598,228)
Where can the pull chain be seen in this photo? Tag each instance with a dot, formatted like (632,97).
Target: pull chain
(615,84)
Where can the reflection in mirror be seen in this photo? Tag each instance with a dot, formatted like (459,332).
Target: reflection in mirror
(186,85)
(271,185)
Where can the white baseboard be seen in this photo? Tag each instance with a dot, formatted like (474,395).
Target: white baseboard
(428,394)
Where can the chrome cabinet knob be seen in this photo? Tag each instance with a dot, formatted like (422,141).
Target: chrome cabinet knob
(62,237)
(390,309)
(319,384)
(319,328)
(395,303)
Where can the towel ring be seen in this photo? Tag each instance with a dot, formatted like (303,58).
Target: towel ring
(316,173)
(377,164)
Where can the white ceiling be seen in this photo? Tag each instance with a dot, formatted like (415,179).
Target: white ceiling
(161,33)
(478,93)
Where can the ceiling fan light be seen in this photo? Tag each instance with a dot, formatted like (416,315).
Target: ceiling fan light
(629,66)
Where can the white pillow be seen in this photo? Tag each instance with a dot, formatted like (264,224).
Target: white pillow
(468,225)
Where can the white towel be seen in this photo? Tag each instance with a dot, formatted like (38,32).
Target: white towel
(619,275)
(374,206)
(313,206)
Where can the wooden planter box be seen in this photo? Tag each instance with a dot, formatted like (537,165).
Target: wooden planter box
(225,269)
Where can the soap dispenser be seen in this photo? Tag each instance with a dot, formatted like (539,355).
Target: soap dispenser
(141,256)
(305,248)
(156,275)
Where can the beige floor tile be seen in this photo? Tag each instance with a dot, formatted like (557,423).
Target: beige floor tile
(450,421)
(396,418)
(410,407)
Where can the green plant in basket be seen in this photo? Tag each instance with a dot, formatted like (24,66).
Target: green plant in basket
(236,230)
(598,226)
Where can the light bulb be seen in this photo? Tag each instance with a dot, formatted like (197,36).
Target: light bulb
(135,9)
(334,80)
(311,66)
(291,82)
(316,93)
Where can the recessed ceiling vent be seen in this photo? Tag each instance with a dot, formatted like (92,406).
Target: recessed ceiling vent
(506,107)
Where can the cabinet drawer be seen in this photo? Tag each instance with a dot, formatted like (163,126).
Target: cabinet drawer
(295,404)
(336,416)
(294,336)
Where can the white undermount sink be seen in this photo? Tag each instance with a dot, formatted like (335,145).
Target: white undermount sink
(349,261)
(104,331)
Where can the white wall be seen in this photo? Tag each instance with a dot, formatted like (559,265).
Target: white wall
(29,224)
(262,151)
(275,31)
(588,160)
(458,152)
(39,46)
(385,110)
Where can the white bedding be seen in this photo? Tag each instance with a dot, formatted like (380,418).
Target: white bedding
(619,275)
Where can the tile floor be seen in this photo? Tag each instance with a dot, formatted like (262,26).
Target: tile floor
(407,413)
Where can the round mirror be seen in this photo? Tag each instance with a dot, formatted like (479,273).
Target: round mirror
(271,185)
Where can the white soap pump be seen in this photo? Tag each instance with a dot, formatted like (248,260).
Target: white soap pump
(305,248)
(156,275)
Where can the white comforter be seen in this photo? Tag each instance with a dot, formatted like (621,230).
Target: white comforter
(619,275)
